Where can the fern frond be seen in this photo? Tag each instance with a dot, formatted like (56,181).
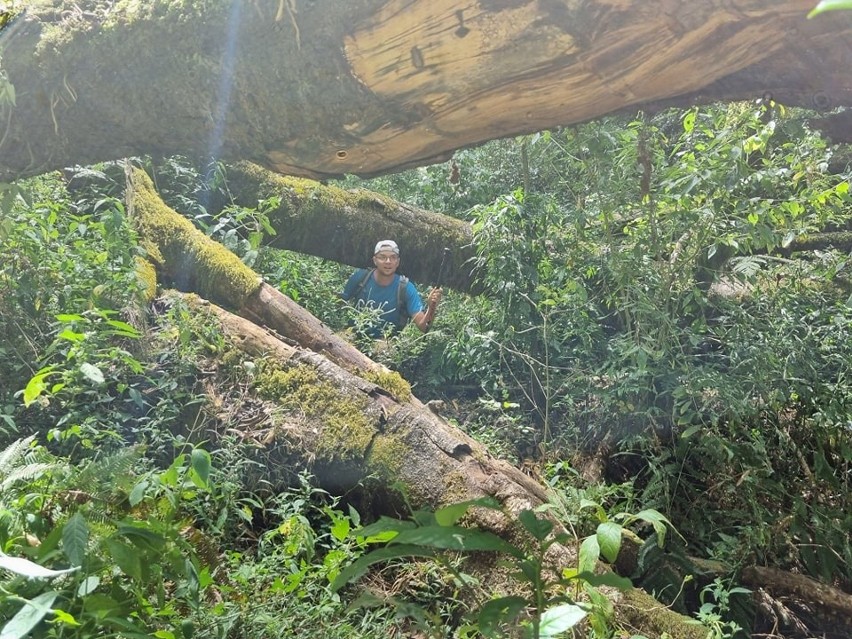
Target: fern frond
(106,469)
(748,265)
(13,453)
(22,473)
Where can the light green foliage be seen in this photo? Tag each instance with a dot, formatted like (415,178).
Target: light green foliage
(282,584)
(830,5)
(715,604)
(92,545)
(54,250)
(631,306)
(550,608)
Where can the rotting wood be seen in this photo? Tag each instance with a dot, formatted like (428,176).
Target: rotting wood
(374,86)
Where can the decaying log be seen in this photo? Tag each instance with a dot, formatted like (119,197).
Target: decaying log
(344,226)
(373,86)
(827,607)
(401,442)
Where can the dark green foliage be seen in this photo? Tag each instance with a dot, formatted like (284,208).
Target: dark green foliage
(633,302)
(637,308)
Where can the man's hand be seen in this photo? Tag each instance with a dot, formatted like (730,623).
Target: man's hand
(423,320)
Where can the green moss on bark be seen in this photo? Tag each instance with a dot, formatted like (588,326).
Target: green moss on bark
(184,253)
(346,431)
(387,456)
(392,382)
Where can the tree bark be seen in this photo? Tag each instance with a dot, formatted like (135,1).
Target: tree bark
(829,607)
(321,87)
(344,226)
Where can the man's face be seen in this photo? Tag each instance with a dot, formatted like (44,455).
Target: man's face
(386,262)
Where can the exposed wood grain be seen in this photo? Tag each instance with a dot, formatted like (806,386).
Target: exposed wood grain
(372,86)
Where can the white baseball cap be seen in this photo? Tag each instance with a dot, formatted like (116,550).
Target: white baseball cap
(386,245)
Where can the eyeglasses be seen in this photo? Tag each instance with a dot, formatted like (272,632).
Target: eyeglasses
(386,258)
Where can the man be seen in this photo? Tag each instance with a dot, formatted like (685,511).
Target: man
(383,288)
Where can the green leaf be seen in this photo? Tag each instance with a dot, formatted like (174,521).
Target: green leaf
(383,529)
(357,568)
(66,618)
(123,328)
(606,579)
(455,538)
(170,476)
(599,511)
(27,568)
(657,520)
(609,540)
(126,557)
(689,432)
(142,537)
(559,619)
(71,336)
(37,385)
(449,515)
(28,617)
(200,461)
(88,585)
(538,528)
(92,372)
(830,5)
(100,605)
(340,528)
(496,612)
(138,492)
(590,550)
(75,539)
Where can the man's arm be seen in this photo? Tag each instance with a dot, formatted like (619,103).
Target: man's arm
(424,319)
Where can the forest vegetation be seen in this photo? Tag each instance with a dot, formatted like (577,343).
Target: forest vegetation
(630,420)
(648,342)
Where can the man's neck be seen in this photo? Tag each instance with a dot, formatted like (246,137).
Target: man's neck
(381,279)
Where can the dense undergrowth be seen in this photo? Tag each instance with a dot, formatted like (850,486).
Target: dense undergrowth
(648,339)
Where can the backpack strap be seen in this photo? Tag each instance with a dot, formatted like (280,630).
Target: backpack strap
(368,272)
(401,301)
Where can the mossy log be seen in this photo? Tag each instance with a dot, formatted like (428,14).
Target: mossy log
(189,260)
(326,87)
(795,604)
(344,226)
(360,438)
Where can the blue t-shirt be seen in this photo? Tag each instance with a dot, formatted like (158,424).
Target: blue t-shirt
(384,297)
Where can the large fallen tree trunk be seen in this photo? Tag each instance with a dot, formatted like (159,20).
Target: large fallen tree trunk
(347,420)
(326,87)
(351,433)
(344,226)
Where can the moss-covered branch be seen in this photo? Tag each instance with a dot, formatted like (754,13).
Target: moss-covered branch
(344,226)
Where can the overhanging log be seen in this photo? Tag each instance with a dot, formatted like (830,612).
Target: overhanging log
(372,86)
(188,259)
